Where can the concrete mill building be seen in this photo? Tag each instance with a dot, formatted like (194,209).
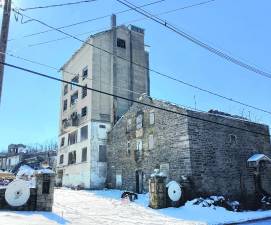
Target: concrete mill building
(86,116)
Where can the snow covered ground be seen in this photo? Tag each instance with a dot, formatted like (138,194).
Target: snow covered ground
(106,207)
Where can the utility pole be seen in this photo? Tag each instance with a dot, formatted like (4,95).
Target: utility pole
(4,39)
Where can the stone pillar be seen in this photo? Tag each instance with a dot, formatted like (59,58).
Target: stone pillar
(45,183)
(158,192)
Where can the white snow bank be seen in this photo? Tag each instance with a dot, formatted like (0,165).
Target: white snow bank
(190,212)
(25,171)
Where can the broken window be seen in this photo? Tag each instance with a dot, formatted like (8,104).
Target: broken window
(65,89)
(121,43)
(233,139)
(62,141)
(72,138)
(128,148)
(74,98)
(152,118)
(84,91)
(139,121)
(72,158)
(74,80)
(102,153)
(61,159)
(84,111)
(65,105)
(84,154)
(46,184)
(84,133)
(85,73)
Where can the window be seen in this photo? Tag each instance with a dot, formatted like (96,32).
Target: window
(84,111)
(72,139)
(151,142)
(85,73)
(46,184)
(72,158)
(233,139)
(61,159)
(62,141)
(74,80)
(84,91)
(139,145)
(102,153)
(102,132)
(139,120)
(84,133)
(74,98)
(128,148)
(84,154)
(102,126)
(65,89)
(152,118)
(65,104)
(121,43)
(129,124)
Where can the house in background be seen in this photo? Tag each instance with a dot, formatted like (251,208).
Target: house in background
(212,158)
(86,116)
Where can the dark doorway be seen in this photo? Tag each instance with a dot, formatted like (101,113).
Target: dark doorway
(139,181)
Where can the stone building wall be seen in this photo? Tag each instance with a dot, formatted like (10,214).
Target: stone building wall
(211,156)
(219,155)
(170,148)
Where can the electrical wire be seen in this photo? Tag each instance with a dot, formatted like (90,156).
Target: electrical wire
(196,41)
(131,100)
(147,68)
(57,5)
(84,21)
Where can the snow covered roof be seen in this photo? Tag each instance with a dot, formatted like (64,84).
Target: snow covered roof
(259,157)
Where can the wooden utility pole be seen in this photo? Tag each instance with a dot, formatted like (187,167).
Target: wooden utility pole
(4,39)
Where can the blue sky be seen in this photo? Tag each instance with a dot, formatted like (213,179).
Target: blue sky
(29,112)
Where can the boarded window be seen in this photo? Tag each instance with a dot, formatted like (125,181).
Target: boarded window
(72,138)
(139,121)
(151,142)
(139,145)
(84,154)
(62,141)
(72,158)
(84,133)
(74,98)
(65,105)
(102,153)
(85,73)
(65,89)
(84,91)
(74,80)
(61,159)
(84,111)
(121,43)
(152,118)
(129,124)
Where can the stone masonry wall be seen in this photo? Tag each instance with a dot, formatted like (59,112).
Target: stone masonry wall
(219,163)
(170,147)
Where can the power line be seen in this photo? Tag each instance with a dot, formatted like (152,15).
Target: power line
(127,22)
(57,5)
(147,68)
(131,100)
(196,41)
(85,21)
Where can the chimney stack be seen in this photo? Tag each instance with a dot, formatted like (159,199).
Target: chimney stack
(113,21)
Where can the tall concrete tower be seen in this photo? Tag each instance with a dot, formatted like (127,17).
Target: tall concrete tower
(87,116)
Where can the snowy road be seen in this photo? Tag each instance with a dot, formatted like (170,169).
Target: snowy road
(85,208)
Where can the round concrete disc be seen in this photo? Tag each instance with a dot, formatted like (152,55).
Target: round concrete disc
(174,191)
(17,193)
